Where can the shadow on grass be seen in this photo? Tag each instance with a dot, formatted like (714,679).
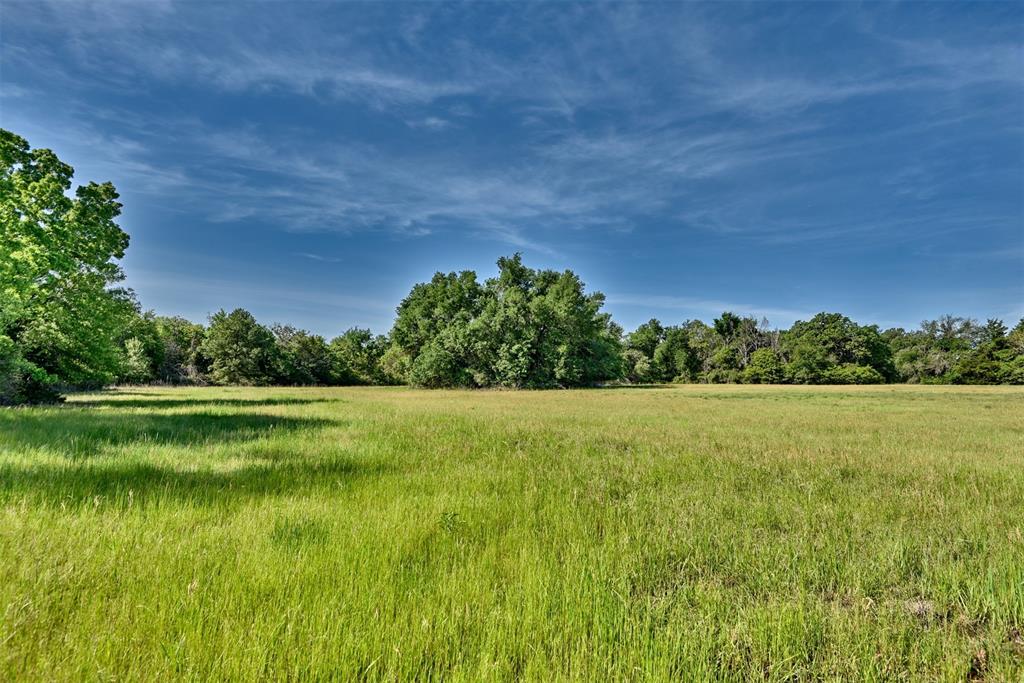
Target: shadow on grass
(84,433)
(163,403)
(101,455)
(88,483)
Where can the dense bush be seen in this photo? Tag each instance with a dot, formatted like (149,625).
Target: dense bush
(20,380)
(765,367)
(820,347)
(848,373)
(436,366)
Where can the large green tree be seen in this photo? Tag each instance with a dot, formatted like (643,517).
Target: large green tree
(241,351)
(58,303)
(303,358)
(638,352)
(433,330)
(765,367)
(541,329)
(830,347)
(675,359)
(522,328)
(999,359)
(356,355)
(181,358)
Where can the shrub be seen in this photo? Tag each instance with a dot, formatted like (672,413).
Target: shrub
(722,376)
(395,365)
(437,367)
(765,367)
(638,367)
(849,373)
(22,381)
(136,363)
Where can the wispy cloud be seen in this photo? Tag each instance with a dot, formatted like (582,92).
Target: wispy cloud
(318,257)
(430,123)
(530,126)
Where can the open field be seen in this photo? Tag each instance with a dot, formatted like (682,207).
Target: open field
(691,532)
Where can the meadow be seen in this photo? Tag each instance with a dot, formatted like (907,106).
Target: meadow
(684,532)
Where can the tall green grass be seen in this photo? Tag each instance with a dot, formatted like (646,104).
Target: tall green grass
(690,533)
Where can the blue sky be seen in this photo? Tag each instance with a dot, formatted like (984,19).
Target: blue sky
(311,161)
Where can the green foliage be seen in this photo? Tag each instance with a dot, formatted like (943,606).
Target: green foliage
(11,371)
(765,367)
(523,328)
(994,330)
(808,362)
(436,367)
(136,363)
(999,361)
(395,365)
(663,353)
(646,338)
(959,351)
(181,358)
(20,380)
(430,308)
(57,253)
(150,348)
(241,351)
(726,358)
(678,358)
(356,356)
(828,349)
(303,358)
(728,326)
(67,324)
(829,340)
(47,237)
(75,331)
(638,368)
(848,373)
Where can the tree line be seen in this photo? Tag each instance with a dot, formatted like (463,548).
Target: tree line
(66,322)
(827,349)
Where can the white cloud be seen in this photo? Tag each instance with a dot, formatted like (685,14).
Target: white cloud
(318,257)
(647,150)
(430,123)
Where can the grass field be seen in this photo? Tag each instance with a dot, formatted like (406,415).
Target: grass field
(696,532)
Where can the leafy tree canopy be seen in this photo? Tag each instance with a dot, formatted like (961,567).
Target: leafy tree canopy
(241,351)
(57,267)
(48,238)
(522,328)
